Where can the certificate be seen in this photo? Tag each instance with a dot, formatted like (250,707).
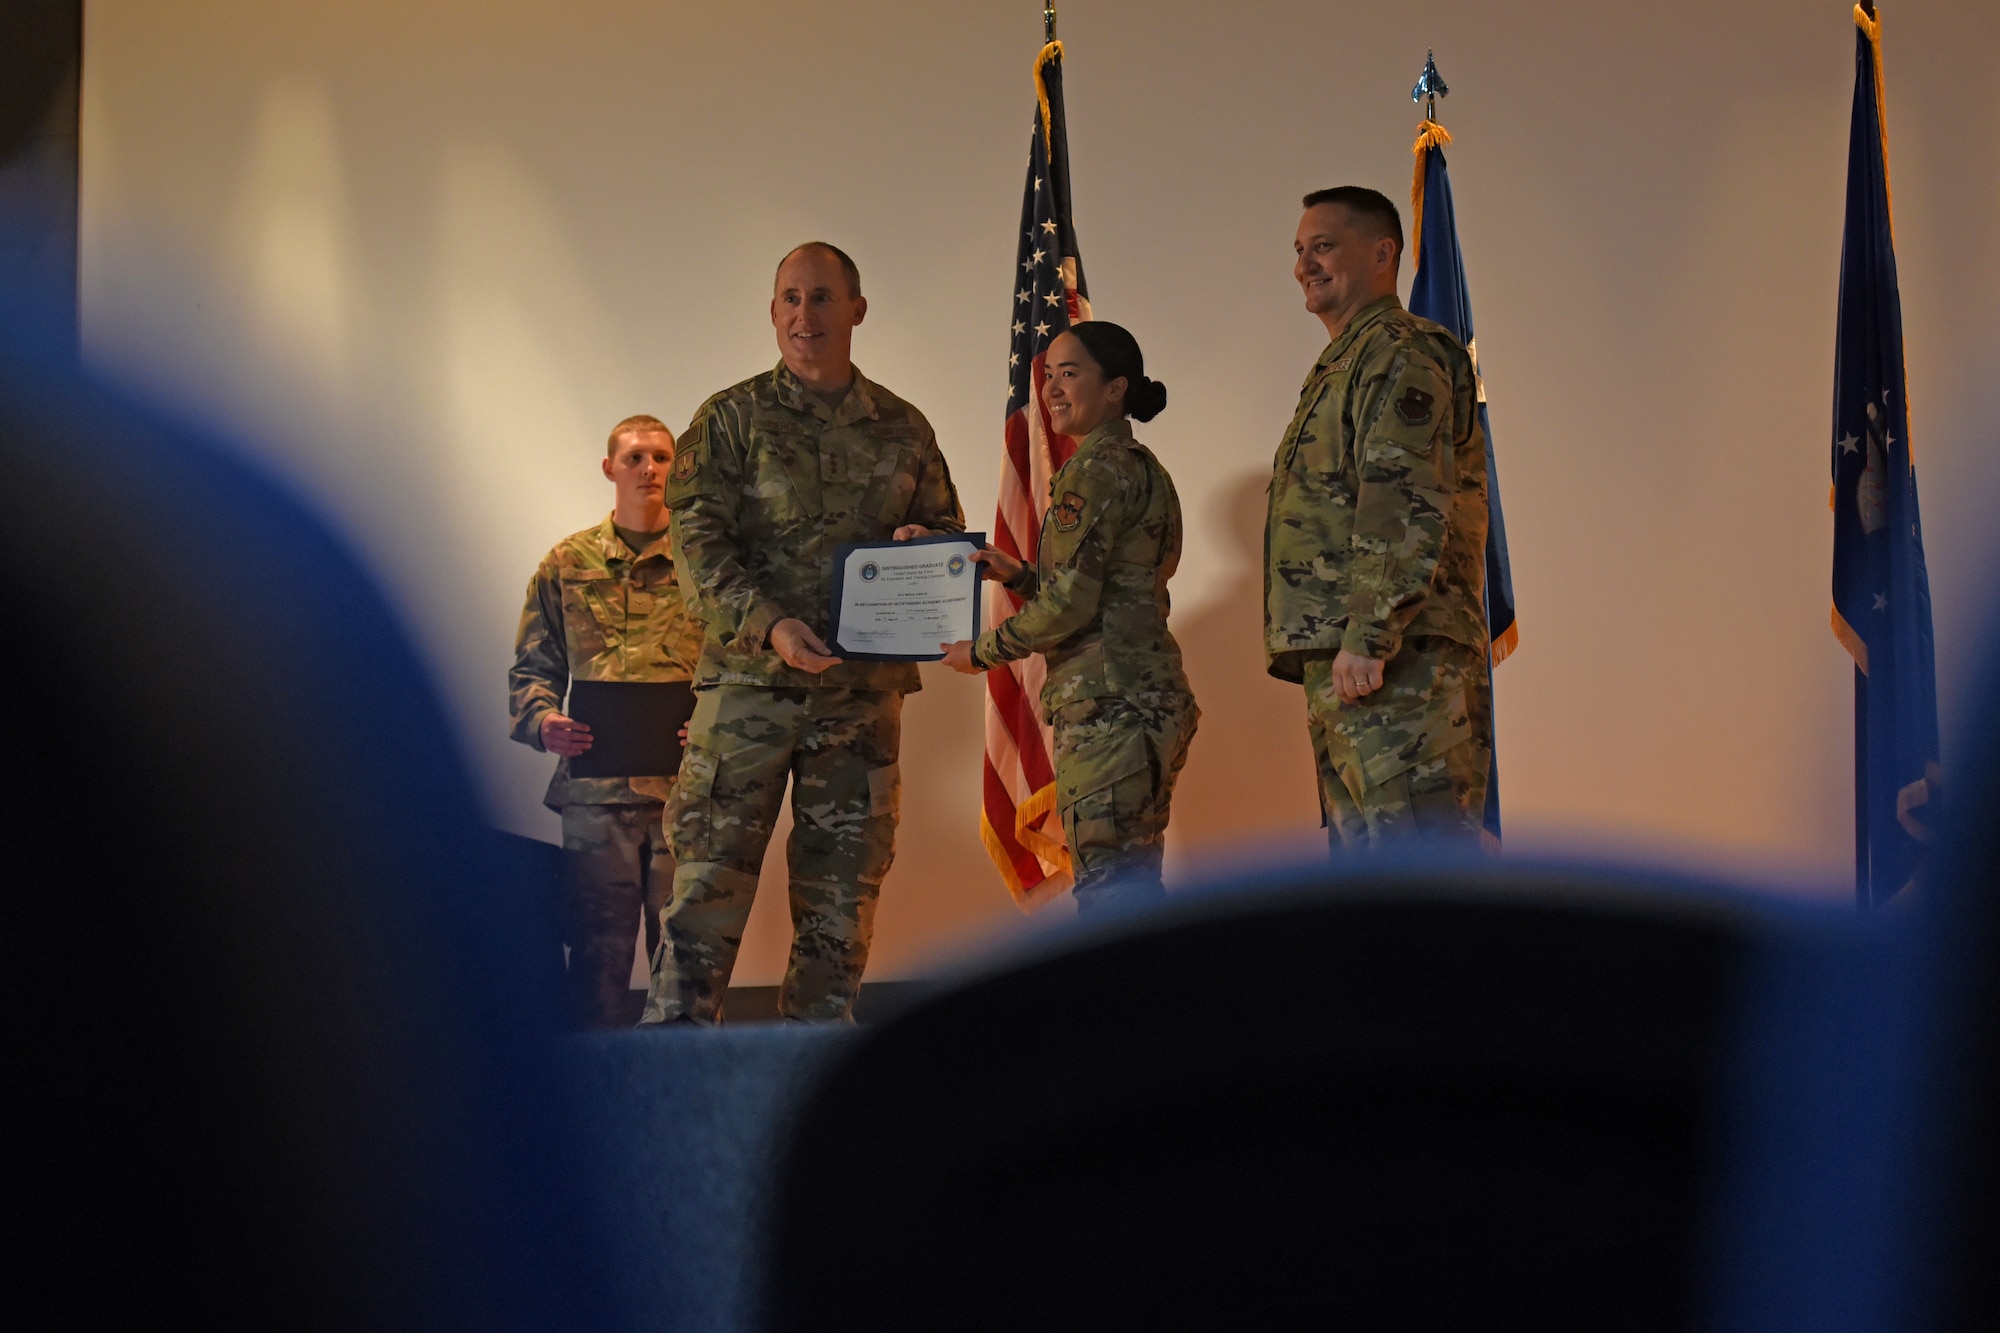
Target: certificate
(897,601)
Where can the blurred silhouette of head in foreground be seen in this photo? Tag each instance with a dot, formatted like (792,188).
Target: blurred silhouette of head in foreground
(275,1020)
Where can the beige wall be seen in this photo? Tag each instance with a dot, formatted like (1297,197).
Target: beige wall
(424,254)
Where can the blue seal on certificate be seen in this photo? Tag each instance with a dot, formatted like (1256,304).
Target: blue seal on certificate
(897,601)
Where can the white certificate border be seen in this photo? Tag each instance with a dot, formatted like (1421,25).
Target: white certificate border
(978,542)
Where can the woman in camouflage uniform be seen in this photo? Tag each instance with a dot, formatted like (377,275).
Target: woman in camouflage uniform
(1095,606)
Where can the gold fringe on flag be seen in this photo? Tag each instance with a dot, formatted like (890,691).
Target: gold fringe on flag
(1053,51)
(1027,829)
(1053,884)
(1430,135)
(1872,29)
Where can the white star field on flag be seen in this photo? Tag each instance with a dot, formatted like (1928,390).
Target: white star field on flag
(1040,259)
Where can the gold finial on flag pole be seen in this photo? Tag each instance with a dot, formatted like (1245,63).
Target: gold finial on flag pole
(1048,20)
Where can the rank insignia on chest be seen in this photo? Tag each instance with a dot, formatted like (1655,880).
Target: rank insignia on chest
(1414,407)
(686,465)
(1069,513)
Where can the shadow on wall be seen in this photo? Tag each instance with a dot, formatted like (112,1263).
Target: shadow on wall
(1249,775)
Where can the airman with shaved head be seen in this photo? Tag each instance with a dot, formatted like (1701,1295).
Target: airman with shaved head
(771,479)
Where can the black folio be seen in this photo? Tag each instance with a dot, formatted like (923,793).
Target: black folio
(635,727)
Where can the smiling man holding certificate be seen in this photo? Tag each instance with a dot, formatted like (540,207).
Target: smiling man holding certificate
(772,481)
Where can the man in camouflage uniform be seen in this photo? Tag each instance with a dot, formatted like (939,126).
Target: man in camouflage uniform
(1374,545)
(606,605)
(773,476)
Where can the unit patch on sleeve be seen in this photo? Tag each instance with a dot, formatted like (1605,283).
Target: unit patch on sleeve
(1070,512)
(1414,407)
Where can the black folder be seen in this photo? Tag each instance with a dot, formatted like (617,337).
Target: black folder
(635,727)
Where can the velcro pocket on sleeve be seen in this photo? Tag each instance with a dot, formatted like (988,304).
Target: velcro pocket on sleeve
(1414,405)
(1387,751)
(690,462)
(1072,514)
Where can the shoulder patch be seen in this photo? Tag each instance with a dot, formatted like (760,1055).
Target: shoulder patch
(1414,407)
(687,462)
(1070,512)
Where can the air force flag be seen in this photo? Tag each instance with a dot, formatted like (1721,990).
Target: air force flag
(1881,591)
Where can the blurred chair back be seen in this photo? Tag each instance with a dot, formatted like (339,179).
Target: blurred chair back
(1430,1099)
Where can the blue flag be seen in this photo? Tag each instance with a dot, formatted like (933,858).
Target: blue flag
(1438,293)
(1881,591)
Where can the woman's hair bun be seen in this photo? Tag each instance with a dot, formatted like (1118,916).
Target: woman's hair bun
(1145,399)
(1117,354)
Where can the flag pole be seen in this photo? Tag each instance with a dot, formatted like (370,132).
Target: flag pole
(1049,21)
(1429,87)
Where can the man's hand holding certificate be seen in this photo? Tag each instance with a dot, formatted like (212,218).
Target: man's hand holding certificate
(897,601)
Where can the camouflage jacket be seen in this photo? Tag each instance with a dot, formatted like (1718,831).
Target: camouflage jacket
(1096,597)
(1377,522)
(768,483)
(595,611)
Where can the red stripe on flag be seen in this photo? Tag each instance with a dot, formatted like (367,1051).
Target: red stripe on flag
(1017,531)
(1023,718)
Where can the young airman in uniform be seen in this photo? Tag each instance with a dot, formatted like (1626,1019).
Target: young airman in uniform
(606,604)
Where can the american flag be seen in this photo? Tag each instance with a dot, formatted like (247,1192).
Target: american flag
(1018,814)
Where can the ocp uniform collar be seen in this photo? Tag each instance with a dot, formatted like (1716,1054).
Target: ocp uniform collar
(1364,319)
(613,547)
(1117,428)
(792,394)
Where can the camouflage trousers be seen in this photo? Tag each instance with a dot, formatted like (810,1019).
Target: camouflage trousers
(838,750)
(1409,761)
(1116,762)
(615,861)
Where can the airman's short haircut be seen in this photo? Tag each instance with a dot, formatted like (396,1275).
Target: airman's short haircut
(634,425)
(1370,207)
(847,266)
